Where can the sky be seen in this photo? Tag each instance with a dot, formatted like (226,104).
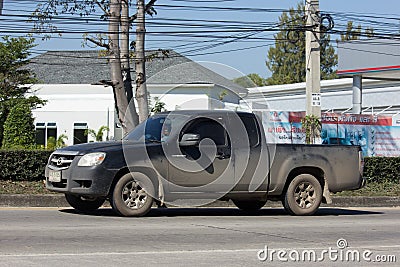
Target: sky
(227,33)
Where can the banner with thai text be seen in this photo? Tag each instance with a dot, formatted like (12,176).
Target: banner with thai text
(377,135)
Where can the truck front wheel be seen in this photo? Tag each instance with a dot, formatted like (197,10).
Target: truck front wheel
(84,204)
(131,197)
(303,196)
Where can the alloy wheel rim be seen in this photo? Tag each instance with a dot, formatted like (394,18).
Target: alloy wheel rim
(304,195)
(133,195)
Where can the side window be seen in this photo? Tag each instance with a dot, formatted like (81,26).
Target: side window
(208,128)
(252,130)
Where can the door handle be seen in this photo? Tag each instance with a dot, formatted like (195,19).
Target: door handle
(179,156)
(223,156)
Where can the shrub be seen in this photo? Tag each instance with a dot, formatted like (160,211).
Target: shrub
(29,165)
(23,165)
(19,131)
(382,170)
(51,143)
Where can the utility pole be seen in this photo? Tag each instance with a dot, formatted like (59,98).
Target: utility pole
(1,6)
(313,62)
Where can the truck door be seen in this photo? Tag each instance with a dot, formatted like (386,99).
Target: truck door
(251,163)
(205,165)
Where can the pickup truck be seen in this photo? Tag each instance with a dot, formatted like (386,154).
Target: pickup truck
(197,157)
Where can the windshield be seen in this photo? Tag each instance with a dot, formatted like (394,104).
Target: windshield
(157,128)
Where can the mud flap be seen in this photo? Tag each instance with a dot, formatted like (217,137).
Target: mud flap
(161,197)
(326,194)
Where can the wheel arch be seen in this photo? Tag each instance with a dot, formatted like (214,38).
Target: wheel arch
(317,172)
(144,172)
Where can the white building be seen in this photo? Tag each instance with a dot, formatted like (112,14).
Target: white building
(371,83)
(72,83)
(379,97)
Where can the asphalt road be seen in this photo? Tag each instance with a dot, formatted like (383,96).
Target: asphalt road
(199,237)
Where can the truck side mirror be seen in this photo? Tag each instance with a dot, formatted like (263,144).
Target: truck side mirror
(190,140)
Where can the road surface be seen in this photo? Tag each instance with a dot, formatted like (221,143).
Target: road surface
(199,237)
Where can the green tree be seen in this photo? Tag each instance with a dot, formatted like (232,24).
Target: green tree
(53,144)
(287,59)
(61,141)
(250,80)
(355,33)
(19,130)
(158,107)
(312,127)
(14,78)
(116,43)
(98,136)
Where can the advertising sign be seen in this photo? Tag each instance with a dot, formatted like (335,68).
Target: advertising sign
(279,130)
(377,135)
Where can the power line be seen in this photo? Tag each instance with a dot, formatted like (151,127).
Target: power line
(211,33)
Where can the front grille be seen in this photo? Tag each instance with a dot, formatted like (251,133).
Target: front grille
(61,161)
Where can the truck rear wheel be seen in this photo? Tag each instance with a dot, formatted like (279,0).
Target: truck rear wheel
(252,205)
(131,197)
(84,204)
(303,196)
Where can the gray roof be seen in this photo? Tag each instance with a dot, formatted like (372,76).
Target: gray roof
(89,67)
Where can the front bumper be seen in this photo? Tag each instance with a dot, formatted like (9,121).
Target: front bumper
(85,181)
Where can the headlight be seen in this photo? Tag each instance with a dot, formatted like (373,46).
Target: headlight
(92,159)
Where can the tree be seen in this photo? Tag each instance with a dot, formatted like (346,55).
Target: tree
(15,80)
(312,127)
(287,59)
(158,107)
(61,141)
(117,45)
(53,144)
(355,33)
(98,136)
(250,80)
(19,130)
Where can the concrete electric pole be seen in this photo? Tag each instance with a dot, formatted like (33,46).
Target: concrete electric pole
(313,64)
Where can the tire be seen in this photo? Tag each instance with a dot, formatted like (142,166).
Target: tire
(303,196)
(84,204)
(252,205)
(131,197)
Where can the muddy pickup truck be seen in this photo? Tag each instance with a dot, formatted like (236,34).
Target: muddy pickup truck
(196,157)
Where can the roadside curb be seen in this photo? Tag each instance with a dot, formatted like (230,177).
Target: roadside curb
(58,200)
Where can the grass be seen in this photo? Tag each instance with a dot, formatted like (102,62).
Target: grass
(23,187)
(371,189)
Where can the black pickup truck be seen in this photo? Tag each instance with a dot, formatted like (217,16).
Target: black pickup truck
(195,157)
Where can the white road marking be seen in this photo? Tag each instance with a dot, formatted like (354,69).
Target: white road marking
(217,251)
(131,253)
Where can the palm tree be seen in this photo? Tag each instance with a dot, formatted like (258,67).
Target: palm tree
(98,136)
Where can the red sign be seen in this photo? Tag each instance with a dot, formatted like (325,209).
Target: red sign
(336,118)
